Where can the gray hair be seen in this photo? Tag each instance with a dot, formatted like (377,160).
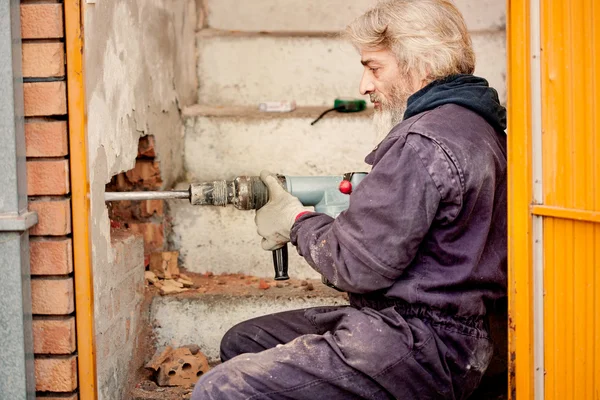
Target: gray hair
(428,37)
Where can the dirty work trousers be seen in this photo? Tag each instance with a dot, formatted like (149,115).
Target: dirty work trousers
(350,353)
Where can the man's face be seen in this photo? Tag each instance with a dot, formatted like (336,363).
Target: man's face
(387,86)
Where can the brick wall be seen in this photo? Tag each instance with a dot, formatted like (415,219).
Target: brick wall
(137,230)
(48,182)
(119,328)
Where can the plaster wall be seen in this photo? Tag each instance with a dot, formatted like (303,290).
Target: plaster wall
(139,63)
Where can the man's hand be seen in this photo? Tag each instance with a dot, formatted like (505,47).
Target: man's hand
(275,219)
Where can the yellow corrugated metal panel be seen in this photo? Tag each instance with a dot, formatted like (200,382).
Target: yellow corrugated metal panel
(571,171)
(570,87)
(520,197)
(572,309)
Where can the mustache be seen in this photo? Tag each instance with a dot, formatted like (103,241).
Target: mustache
(375,98)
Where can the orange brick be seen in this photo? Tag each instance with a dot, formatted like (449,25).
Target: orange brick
(49,177)
(54,336)
(46,139)
(150,208)
(42,60)
(54,217)
(153,234)
(51,257)
(52,296)
(56,374)
(45,98)
(146,146)
(146,173)
(42,21)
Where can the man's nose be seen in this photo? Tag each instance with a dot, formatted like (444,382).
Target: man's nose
(366,84)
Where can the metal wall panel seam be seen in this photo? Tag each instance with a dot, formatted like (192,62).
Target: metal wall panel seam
(566,213)
(537,191)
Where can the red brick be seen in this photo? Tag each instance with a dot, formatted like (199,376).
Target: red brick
(122,210)
(45,98)
(165,264)
(46,139)
(48,177)
(151,208)
(146,173)
(135,210)
(42,21)
(153,234)
(54,336)
(51,257)
(56,374)
(146,147)
(54,217)
(42,60)
(52,296)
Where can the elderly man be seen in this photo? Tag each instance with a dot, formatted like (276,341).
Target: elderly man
(422,248)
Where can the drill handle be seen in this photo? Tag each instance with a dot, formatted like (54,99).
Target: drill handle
(280,263)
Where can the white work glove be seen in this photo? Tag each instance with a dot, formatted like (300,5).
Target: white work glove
(275,219)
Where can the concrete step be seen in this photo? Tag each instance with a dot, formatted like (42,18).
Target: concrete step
(224,240)
(221,143)
(202,315)
(310,69)
(330,16)
(225,143)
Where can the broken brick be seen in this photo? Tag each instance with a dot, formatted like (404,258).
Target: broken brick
(164,264)
(179,367)
(149,208)
(146,174)
(263,285)
(153,233)
(146,147)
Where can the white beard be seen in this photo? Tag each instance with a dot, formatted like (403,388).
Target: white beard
(385,120)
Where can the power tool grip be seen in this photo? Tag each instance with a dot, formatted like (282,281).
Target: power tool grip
(280,263)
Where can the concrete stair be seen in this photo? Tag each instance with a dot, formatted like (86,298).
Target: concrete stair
(329,16)
(224,143)
(311,69)
(203,315)
(271,50)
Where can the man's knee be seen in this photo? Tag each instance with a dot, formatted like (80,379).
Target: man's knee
(226,381)
(240,339)
(211,385)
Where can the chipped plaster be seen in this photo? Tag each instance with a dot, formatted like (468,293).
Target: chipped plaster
(140,62)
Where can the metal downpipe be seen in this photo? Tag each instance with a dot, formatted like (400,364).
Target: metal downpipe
(80,202)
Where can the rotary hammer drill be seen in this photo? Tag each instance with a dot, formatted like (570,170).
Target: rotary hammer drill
(327,194)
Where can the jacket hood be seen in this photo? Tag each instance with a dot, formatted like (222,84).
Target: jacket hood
(467,91)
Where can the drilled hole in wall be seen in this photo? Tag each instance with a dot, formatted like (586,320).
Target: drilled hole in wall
(186,366)
(171,373)
(143,217)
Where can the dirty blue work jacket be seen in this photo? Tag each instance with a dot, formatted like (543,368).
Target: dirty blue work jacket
(427,226)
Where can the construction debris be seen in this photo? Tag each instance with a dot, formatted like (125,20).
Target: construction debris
(169,286)
(164,264)
(263,285)
(179,367)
